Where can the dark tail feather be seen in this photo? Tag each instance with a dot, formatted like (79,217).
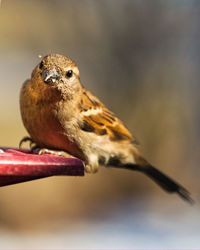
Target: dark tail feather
(162,180)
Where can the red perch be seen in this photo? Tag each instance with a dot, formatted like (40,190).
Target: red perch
(20,165)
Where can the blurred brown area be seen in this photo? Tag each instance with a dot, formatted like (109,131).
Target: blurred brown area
(141,58)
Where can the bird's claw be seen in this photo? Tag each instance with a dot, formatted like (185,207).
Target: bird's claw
(34,148)
(26,139)
(32,145)
(41,151)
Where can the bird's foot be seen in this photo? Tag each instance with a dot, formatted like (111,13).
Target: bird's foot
(41,151)
(32,144)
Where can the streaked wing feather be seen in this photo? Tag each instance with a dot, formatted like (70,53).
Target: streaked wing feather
(97,118)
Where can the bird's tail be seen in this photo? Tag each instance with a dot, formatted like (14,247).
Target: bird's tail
(160,178)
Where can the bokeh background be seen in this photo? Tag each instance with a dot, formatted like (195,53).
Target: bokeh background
(142,59)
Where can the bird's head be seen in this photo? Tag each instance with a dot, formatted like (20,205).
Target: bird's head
(57,72)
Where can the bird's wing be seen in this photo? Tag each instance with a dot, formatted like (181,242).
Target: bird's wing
(98,119)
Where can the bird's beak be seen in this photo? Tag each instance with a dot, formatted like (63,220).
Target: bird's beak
(50,75)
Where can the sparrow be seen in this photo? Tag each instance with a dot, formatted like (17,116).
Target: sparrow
(62,117)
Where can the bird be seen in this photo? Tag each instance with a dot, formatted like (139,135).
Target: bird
(62,117)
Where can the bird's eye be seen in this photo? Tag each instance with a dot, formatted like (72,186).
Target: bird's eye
(41,65)
(69,73)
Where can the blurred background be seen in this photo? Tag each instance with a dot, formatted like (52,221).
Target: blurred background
(141,58)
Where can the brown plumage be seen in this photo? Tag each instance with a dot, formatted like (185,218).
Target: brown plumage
(99,119)
(60,114)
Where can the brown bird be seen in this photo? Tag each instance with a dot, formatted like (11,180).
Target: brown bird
(62,117)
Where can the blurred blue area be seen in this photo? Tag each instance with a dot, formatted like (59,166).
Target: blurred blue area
(132,229)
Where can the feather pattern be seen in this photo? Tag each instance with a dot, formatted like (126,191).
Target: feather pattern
(97,118)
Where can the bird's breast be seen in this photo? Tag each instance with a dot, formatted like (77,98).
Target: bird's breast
(45,124)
